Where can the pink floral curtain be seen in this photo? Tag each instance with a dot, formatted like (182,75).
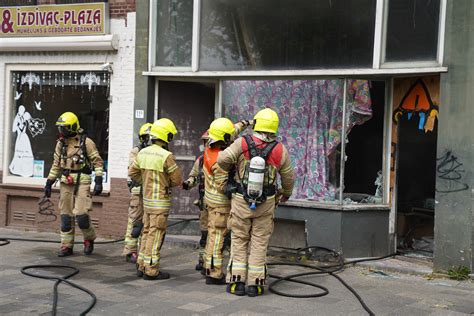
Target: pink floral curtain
(310,122)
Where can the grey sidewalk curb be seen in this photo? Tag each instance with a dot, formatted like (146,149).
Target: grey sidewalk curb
(388,267)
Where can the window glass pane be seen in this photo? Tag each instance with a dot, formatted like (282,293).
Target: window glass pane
(310,126)
(365,110)
(286,34)
(174,32)
(38,99)
(412,30)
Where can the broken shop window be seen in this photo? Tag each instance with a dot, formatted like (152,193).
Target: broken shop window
(311,127)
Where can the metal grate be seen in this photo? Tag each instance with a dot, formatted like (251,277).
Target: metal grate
(30,217)
(95,222)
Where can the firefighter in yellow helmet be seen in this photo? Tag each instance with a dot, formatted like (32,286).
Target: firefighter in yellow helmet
(258,158)
(135,208)
(155,168)
(196,178)
(75,157)
(216,201)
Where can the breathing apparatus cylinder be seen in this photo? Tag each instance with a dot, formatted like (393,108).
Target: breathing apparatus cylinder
(256,175)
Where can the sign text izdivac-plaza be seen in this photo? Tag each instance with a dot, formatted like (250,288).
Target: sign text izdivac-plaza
(54,20)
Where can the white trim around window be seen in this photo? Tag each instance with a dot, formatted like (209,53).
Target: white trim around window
(412,64)
(326,73)
(9,68)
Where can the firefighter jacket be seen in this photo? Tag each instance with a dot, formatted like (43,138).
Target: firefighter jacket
(215,180)
(155,168)
(136,187)
(278,162)
(75,156)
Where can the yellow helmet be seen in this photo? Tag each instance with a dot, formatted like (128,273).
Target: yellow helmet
(221,129)
(145,129)
(163,129)
(266,120)
(68,123)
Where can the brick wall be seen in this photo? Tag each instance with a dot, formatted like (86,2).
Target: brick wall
(111,211)
(19,209)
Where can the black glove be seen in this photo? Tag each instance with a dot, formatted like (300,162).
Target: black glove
(185,185)
(48,188)
(98,185)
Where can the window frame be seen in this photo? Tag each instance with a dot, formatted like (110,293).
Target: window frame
(7,136)
(421,63)
(379,66)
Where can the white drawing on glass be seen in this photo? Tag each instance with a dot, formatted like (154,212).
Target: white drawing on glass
(38,105)
(30,78)
(36,126)
(22,162)
(90,78)
(17,95)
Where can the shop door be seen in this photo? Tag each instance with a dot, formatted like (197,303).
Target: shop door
(416,128)
(190,105)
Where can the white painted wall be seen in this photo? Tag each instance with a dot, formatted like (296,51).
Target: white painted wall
(122,88)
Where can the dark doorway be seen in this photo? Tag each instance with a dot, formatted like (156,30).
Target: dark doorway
(416,179)
(190,105)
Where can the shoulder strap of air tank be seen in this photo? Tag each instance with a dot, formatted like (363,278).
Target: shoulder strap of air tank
(268,149)
(83,146)
(253,151)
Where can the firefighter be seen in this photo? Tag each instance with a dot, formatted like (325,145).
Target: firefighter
(196,178)
(257,158)
(216,201)
(135,208)
(75,156)
(155,168)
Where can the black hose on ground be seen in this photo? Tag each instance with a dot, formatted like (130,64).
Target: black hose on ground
(64,279)
(331,270)
(59,280)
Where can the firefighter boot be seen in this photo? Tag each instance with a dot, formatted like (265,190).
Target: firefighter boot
(131,257)
(139,272)
(254,290)
(65,251)
(237,288)
(160,276)
(215,281)
(88,247)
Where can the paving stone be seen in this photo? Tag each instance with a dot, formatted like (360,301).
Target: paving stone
(120,292)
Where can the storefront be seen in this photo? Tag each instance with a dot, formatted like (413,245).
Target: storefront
(336,79)
(58,58)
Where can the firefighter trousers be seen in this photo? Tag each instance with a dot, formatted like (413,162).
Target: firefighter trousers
(251,232)
(135,216)
(75,207)
(203,223)
(217,229)
(153,234)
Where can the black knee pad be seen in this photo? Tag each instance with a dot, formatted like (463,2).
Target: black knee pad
(137,229)
(203,240)
(83,221)
(66,223)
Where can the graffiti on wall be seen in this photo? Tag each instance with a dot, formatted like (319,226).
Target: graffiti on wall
(451,171)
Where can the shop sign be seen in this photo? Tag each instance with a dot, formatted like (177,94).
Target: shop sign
(54,20)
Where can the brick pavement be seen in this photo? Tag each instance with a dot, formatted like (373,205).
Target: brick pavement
(120,292)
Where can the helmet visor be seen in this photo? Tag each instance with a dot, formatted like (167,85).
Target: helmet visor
(64,130)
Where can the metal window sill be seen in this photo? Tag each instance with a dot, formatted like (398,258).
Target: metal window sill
(336,207)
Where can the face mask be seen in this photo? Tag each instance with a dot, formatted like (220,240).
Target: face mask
(64,131)
(201,148)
